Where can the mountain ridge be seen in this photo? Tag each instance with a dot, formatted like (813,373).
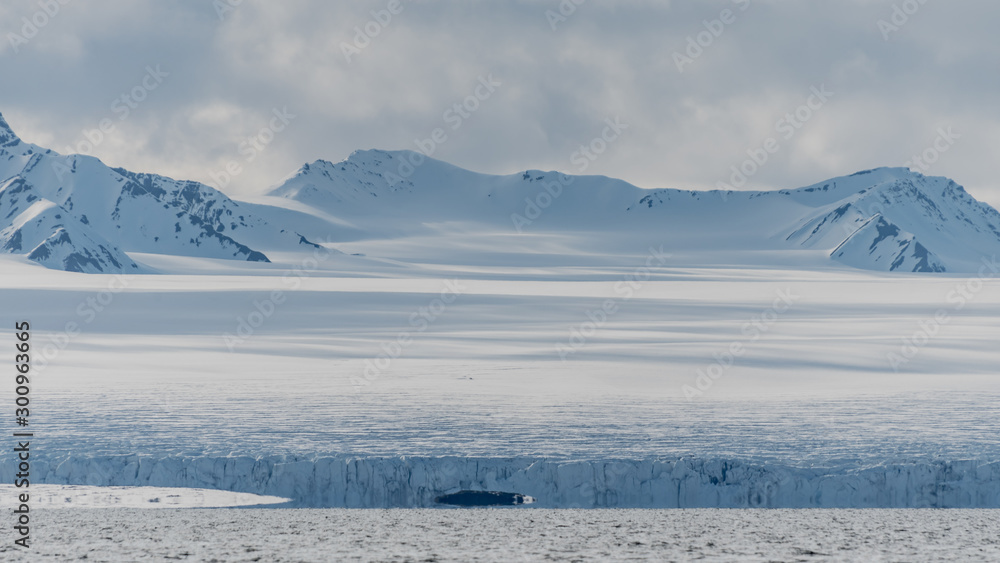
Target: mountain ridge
(937,226)
(98,214)
(75,213)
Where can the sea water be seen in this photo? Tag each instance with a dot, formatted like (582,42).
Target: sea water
(514,534)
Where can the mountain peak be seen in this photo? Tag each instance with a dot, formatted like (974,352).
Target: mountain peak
(7,135)
(897,170)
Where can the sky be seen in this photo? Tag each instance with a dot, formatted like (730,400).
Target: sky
(748,94)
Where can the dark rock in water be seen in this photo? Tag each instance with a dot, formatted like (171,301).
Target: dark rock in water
(484,498)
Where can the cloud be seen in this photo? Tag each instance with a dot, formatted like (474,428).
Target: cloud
(605,59)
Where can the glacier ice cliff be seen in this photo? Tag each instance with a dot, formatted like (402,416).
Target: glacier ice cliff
(373,482)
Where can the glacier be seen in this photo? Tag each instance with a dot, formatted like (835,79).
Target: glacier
(481,399)
(353,384)
(405,481)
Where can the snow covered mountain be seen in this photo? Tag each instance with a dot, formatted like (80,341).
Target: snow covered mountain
(74,213)
(888,219)
(52,238)
(878,243)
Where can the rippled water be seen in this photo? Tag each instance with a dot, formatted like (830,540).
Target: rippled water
(521,534)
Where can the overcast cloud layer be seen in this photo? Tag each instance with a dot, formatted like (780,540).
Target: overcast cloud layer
(692,111)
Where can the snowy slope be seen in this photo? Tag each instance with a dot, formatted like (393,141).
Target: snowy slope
(356,384)
(814,412)
(49,236)
(108,212)
(935,215)
(409,209)
(383,192)
(880,245)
